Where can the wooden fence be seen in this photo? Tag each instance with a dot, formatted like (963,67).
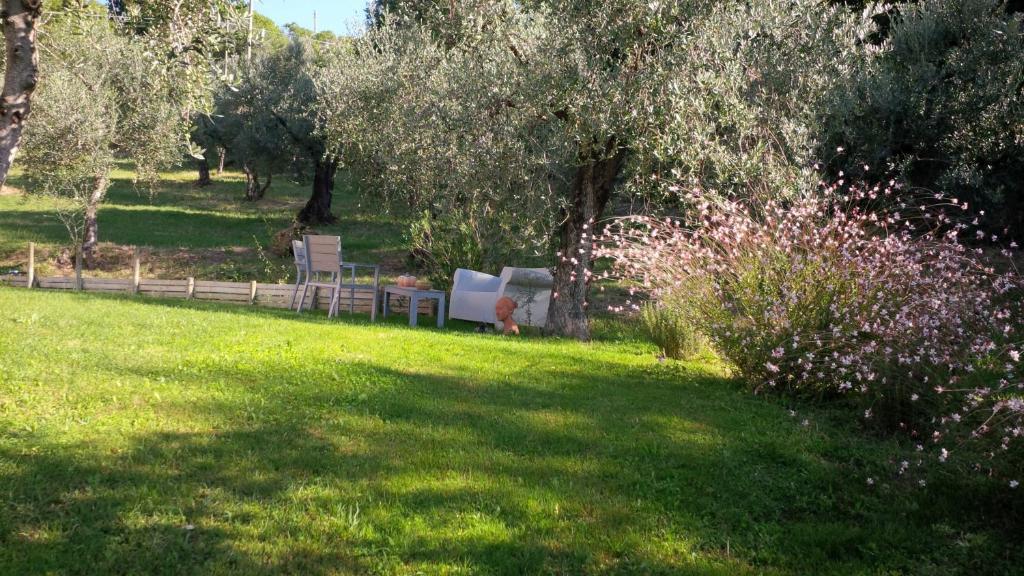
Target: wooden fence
(244,293)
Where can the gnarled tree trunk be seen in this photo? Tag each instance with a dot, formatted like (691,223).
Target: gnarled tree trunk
(20,76)
(91,230)
(204,173)
(318,209)
(591,189)
(254,190)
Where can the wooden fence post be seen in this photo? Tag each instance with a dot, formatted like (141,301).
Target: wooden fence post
(78,268)
(136,277)
(191,289)
(252,292)
(31,264)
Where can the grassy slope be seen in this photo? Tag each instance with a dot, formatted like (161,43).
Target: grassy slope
(141,436)
(204,232)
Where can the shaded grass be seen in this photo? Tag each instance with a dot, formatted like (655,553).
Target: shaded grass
(209,232)
(169,437)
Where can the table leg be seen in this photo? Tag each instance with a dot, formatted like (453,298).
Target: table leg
(414,308)
(440,311)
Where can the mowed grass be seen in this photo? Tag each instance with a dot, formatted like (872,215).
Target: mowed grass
(185,230)
(167,437)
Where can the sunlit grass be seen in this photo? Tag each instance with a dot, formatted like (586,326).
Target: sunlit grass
(185,230)
(143,436)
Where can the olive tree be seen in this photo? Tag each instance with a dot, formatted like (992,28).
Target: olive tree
(186,29)
(103,96)
(435,134)
(941,101)
(276,107)
(549,110)
(21,75)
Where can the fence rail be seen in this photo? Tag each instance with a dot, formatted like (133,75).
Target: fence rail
(243,293)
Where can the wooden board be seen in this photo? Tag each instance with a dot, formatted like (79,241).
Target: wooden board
(106,285)
(14,280)
(163,288)
(267,295)
(57,283)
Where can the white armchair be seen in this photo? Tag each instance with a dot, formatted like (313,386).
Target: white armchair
(474,295)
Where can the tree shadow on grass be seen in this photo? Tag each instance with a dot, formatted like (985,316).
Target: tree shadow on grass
(386,470)
(548,461)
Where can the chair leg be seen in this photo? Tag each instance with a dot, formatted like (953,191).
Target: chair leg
(332,310)
(305,289)
(313,298)
(295,293)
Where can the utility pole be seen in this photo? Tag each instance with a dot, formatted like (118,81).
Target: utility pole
(314,22)
(248,41)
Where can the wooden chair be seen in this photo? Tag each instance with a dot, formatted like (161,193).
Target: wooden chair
(299,250)
(325,268)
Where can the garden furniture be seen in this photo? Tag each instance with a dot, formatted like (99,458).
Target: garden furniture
(325,268)
(299,252)
(415,295)
(475,295)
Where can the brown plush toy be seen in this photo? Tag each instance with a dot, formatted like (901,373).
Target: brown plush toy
(503,311)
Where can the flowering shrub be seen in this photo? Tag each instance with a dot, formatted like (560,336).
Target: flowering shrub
(851,293)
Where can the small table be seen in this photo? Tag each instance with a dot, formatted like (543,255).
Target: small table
(414,297)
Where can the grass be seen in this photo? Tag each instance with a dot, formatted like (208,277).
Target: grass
(210,233)
(171,437)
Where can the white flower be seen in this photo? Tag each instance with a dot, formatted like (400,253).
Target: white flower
(871,481)
(1014,483)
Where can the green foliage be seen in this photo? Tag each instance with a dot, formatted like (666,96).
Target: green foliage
(668,325)
(167,437)
(443,242)
(940,102)
(208,232)
(430,130)
(102,95)
(267,33)
(745,92)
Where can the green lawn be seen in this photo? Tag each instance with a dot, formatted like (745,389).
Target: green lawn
(210,233)
(145,436)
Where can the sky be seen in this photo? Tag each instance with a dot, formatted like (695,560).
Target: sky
(338,16)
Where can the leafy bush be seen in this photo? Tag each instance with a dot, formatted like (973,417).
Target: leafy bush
(669,328)
(830,297)
(941,100)
(443,244)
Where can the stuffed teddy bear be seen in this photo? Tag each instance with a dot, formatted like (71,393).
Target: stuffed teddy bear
(503,311)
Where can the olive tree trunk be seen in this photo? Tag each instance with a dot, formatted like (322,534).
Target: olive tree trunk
(254,189)
(20,76)
(318,209)
(204,173)
(91,226)
(591,189)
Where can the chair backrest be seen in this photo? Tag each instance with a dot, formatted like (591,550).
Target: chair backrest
(299,250)
(323,253)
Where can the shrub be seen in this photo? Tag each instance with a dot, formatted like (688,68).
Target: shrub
(442,244)
(669,328)
(833,296)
